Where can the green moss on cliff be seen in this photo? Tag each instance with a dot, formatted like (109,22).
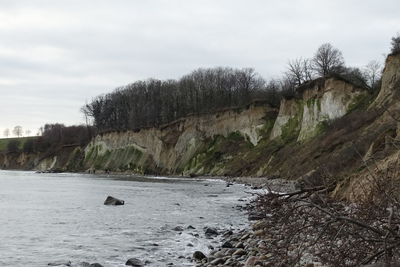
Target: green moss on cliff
(216,153)
(123,159)
(314,101)
(361,101)
(75,160)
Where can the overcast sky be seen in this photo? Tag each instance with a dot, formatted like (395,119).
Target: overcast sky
(55,55)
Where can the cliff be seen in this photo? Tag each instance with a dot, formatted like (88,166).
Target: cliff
(171,148)
(255,141)
(331,130)
(320,101)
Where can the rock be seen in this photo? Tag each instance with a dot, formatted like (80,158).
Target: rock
(113,201)
(134,262)
(211,231)
(191,227)
(178,228)
(60,263)
(218,261)
(259,233)
(245,236)
(199,256)
(255,217)
(228,233)
(84,264)
(251,261)
(190,245)
(259,225)
(239,252)
(227,244)
(96,265)
(239,245)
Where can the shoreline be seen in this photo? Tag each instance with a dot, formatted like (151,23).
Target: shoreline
(245,248)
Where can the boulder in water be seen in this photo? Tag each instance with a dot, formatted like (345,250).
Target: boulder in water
(60,263)
(134,262)
(178,228)
(113,201)
(209,231)
(199,256)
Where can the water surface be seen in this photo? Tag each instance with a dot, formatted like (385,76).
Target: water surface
(59,217)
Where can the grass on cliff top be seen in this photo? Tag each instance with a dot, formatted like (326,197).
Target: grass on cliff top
(4,142)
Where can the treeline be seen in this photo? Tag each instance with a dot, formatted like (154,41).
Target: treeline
(154,102)
(53,137)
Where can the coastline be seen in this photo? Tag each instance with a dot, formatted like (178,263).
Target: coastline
(247,247)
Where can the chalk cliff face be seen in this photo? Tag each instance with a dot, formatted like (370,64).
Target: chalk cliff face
(390,82)
(170,148)
(231,142)
(324,100)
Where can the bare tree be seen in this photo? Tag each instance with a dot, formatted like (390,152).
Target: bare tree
(300,70)
(396,44)
(27,132)
(17,131)
(41,130)
(6,132)
(327,60)
(373,71)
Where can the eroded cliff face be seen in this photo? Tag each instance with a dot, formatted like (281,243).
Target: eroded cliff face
(171,148)
(63,159)
(390,82)
(325,100)
(329,131)
(255,141)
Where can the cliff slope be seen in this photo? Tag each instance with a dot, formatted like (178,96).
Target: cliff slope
(332,130)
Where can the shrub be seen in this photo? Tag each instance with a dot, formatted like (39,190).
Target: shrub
(395,45)
(13,146)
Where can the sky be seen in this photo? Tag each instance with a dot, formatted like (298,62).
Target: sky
(56,55)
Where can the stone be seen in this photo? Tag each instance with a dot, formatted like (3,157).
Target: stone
(96,265)
(259,233)
(239,245)
(178,228)
(228,233)
(251,261)
(227,244)
(218,261)
(60,263)
(199,256)
(255,217)
(259,225)
(211,231)
(239,252)
(113,201)
(134,262)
